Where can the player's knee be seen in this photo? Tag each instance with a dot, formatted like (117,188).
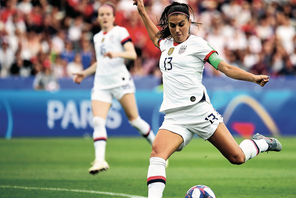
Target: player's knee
(98,122)
(155,152)
(99,128)
(237,159)
(159,151)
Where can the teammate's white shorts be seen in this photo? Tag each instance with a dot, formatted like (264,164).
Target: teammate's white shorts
(107,95)
(201,119)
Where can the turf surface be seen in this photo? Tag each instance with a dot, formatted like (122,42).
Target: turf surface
(58,167)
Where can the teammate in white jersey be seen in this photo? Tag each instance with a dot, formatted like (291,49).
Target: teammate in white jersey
(112,80)
(186,104)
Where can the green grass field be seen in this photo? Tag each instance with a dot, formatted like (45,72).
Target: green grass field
(58,167)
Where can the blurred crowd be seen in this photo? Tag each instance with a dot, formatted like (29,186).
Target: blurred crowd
(51,39)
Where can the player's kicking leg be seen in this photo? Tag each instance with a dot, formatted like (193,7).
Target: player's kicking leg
(273,143)
(246,150)
(259,144)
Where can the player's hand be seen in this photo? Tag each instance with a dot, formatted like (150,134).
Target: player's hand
(261,80)
(78,77)
(139,4)
(111,55)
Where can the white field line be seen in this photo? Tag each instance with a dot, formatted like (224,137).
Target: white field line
(73,190)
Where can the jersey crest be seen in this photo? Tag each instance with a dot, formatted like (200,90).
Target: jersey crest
(182,49)
(171,50)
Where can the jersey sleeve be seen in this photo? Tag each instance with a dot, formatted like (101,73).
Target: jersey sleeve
(160,42)
(207,53)
(124,36)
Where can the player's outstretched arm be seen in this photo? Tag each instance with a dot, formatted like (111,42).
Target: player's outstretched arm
(150,26)
(79,76)
(128,53)
(239,74)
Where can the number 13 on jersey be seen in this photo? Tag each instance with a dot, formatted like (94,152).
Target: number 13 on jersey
(168,63)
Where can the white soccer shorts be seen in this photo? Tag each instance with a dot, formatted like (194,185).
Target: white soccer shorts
(200,119)
(107,95)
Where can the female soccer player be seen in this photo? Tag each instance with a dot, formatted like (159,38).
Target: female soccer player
(186,104)
(112,80)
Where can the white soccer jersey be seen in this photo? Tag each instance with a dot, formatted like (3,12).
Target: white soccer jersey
(110,73)
(182,68)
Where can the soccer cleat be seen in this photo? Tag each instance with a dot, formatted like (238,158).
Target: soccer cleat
(98,166)
(273,144)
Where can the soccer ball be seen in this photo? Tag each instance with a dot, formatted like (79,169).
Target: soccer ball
(200,191)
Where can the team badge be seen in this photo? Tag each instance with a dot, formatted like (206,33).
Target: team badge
(182,49)
(171,50)
(103,40)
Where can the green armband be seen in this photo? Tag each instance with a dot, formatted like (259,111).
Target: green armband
(214,60)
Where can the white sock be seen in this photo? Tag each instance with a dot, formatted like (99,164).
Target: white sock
(150,136)
(250,149)
(262,144)
(156,177)
(100,138)
(144,129)
(100,150)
